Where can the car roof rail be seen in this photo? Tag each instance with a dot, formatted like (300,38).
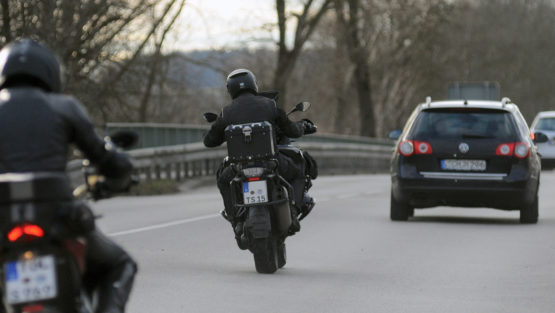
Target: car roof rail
(428,101)
(505,101)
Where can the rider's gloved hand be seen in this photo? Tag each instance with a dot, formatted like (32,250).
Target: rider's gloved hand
(309,127)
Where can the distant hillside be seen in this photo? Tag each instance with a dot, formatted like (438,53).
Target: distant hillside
(199,69)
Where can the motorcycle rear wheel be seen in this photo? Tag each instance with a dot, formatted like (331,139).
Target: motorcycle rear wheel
(265,252)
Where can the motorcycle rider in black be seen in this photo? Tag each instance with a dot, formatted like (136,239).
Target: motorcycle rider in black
(247,106)
(38,126)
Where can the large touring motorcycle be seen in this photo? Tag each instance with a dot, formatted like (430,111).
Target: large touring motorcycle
(262,198)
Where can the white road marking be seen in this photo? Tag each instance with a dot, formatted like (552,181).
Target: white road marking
(163,225)
(205,217)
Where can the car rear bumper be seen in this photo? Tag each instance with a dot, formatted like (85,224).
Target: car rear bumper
(495,191)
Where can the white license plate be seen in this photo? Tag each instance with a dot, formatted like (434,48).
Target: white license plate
(31,280)
(463,165)
(255,192)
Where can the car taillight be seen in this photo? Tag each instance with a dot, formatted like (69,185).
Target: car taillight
(422,147)
(505,149)
(522,150)
(406,148)
(26,229)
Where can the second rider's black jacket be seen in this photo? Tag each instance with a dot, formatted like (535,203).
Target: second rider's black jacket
(37,128)
(248,108)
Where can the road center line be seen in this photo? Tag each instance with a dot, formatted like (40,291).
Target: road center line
(163,225)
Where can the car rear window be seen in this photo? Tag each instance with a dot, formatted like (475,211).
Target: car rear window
(546,123)
(463,124)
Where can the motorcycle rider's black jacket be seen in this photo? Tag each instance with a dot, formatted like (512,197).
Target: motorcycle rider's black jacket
(37,128)
(248,108)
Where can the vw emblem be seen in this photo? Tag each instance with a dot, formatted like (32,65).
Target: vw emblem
(463,147)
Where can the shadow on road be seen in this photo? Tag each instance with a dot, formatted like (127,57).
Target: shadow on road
(466,220)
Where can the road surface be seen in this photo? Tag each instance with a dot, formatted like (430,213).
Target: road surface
(348,257)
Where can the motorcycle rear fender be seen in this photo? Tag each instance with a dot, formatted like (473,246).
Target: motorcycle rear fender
(258,223)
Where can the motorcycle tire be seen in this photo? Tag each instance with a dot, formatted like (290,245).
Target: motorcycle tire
(265,252)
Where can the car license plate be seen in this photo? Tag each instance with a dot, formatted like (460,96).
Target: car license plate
(255,192)
(463,165)
(31,280)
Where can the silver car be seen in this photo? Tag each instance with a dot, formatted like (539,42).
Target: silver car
(544,123)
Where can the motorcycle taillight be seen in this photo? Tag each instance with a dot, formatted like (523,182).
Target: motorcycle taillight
(28,231)
(33,308)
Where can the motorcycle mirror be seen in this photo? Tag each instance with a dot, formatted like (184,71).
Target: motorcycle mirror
(301,107)
(210,117)
(125,138)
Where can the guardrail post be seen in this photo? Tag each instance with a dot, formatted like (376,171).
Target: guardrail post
(178,171)
(168,170)
(198,168)
(157,172)
(207,167)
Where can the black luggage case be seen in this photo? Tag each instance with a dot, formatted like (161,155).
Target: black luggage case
(251,141)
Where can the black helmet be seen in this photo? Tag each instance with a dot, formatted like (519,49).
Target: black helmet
(241,80)
(29,62)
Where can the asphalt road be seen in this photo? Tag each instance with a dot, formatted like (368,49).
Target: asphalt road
(348,257)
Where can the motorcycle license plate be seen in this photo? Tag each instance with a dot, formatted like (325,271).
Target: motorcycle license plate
(31,280)
(255,192)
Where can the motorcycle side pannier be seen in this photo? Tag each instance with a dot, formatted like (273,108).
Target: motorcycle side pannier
(251,141)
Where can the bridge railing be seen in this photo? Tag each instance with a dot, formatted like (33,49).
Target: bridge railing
(181,162)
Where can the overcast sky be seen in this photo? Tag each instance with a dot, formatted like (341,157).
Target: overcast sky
(206,24)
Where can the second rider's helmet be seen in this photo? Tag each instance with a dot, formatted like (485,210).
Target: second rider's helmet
(28,62)
(241,80)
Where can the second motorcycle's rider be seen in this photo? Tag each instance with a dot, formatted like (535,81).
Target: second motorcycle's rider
(247,107)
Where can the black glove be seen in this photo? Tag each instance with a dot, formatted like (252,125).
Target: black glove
(309,127)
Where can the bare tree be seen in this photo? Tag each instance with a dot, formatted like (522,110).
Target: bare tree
(307,20)
(349,15)
(96,40)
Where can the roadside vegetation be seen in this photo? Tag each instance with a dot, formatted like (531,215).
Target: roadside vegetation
(364,63)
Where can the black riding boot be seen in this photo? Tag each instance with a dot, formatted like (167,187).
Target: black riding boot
(242,241)
(114,292)
(295,225)
(110,273)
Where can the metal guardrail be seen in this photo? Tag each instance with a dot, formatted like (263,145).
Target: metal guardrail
(161,135)
(181,162)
